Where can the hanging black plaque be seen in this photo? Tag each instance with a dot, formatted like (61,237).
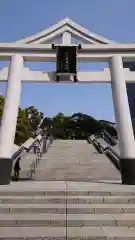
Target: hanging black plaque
(66,59)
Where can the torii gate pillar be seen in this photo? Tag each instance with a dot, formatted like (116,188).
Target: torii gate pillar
(9,118)
(123,121)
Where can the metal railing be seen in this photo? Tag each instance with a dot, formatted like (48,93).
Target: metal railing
(34,165)
(18,153)
(108,138)
(104,146)
(36,162)
(24,149)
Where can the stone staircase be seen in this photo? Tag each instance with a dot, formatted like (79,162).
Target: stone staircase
(67,210)
(75,160)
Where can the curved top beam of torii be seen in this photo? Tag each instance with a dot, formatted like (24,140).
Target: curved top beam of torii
(98,49)
(66,25)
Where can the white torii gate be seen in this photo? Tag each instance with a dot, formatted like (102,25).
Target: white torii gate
(96,48)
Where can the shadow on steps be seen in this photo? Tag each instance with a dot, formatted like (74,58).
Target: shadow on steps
(20,179)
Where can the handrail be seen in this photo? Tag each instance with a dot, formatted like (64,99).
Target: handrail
(34,164)
(107,146)
(29,147)
(106,149)
(108,137)
(114,157)
(18,153)
(23,149)
(114,152)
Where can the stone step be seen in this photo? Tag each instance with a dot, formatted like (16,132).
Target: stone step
(32,208)
(32,193)
(73,220)
(100,220)
(101,233)
(100,193)
(32,220)
(32,200)
(74,161)
(100,208)
(60,176)
(67,208)
(32,233)
(70,199)
(51,193)
(55,233)
(101,199)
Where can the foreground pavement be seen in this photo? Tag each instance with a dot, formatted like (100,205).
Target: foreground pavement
(67,210)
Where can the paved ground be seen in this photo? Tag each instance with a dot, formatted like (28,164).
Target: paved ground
(67,210)
(75,160)
(107,185)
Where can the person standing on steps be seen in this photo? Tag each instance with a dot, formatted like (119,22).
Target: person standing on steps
(17,169)
(35,147)
(39,151)
(73,136)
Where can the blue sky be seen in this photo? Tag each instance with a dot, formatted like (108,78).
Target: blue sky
(112,19)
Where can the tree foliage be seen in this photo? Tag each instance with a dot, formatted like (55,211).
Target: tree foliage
(27,122)
(78,125)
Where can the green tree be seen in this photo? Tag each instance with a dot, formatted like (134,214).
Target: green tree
(34,117)
(61,126)
(27,124)
(79,124)
(27,121)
